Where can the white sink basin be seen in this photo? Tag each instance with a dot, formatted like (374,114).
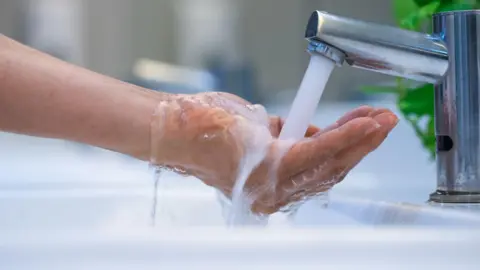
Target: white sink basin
(214,248)
(107,210)
(80,208)
(377,213)
(111,229)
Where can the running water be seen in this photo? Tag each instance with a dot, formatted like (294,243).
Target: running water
(304,106)
(307,98)
(156,179)
(299,118)
(237,210)
(159,192)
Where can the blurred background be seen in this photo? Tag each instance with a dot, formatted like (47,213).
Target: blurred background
(252,48)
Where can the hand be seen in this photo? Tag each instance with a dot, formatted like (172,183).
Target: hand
(325,157)
(212,135)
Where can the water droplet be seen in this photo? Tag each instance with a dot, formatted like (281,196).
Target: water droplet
(208,136)
(179,170)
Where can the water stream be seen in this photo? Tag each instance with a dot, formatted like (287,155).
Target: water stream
(156,179)
(303,110)
(299,118)
(237,210)
(308,96)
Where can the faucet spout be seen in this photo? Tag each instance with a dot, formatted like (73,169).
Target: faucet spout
(378,48)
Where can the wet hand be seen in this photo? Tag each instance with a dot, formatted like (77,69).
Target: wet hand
(323,159)
(212,136)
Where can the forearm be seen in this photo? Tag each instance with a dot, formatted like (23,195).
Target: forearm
(43,96)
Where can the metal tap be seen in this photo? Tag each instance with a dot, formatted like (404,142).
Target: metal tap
(449,58)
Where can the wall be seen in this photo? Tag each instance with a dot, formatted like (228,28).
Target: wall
(11,19)
(268,34)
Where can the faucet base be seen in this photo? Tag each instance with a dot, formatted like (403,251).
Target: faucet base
(454,197)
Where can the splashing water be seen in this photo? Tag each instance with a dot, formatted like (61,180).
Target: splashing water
(303,109)
(237,211)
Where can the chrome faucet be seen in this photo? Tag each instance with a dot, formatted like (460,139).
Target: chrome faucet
(449,59)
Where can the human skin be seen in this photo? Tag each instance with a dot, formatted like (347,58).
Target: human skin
(45,97)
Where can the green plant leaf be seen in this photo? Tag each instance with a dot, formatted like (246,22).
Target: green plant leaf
(418,101)
(416,104)
(431,125)
(427,11)
(403,9)
(451,5)
(457,6)
(431,146)
(415,21)
(410,22)
(422,3)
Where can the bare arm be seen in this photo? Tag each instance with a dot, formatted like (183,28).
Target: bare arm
(43,96)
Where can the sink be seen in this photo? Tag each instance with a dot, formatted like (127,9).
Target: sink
(364,212)
(124,208)
(214,248)
(111,229)
(83,208)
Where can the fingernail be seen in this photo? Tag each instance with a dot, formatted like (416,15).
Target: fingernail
(376,112)
(386,119)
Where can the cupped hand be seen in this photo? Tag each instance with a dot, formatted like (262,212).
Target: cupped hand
(324,157)
(213,136)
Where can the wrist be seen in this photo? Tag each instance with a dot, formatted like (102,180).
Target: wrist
(164,126)
(142,107)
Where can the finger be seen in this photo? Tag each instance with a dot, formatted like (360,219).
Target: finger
(350,157)
(311,130)
(388,121)
(301,195)
(319,179)
(265,209)
(276,124)
(310,181)
(362,111)
(379,111)
(324,176)
(230,97)
(313,151)
(359,112)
